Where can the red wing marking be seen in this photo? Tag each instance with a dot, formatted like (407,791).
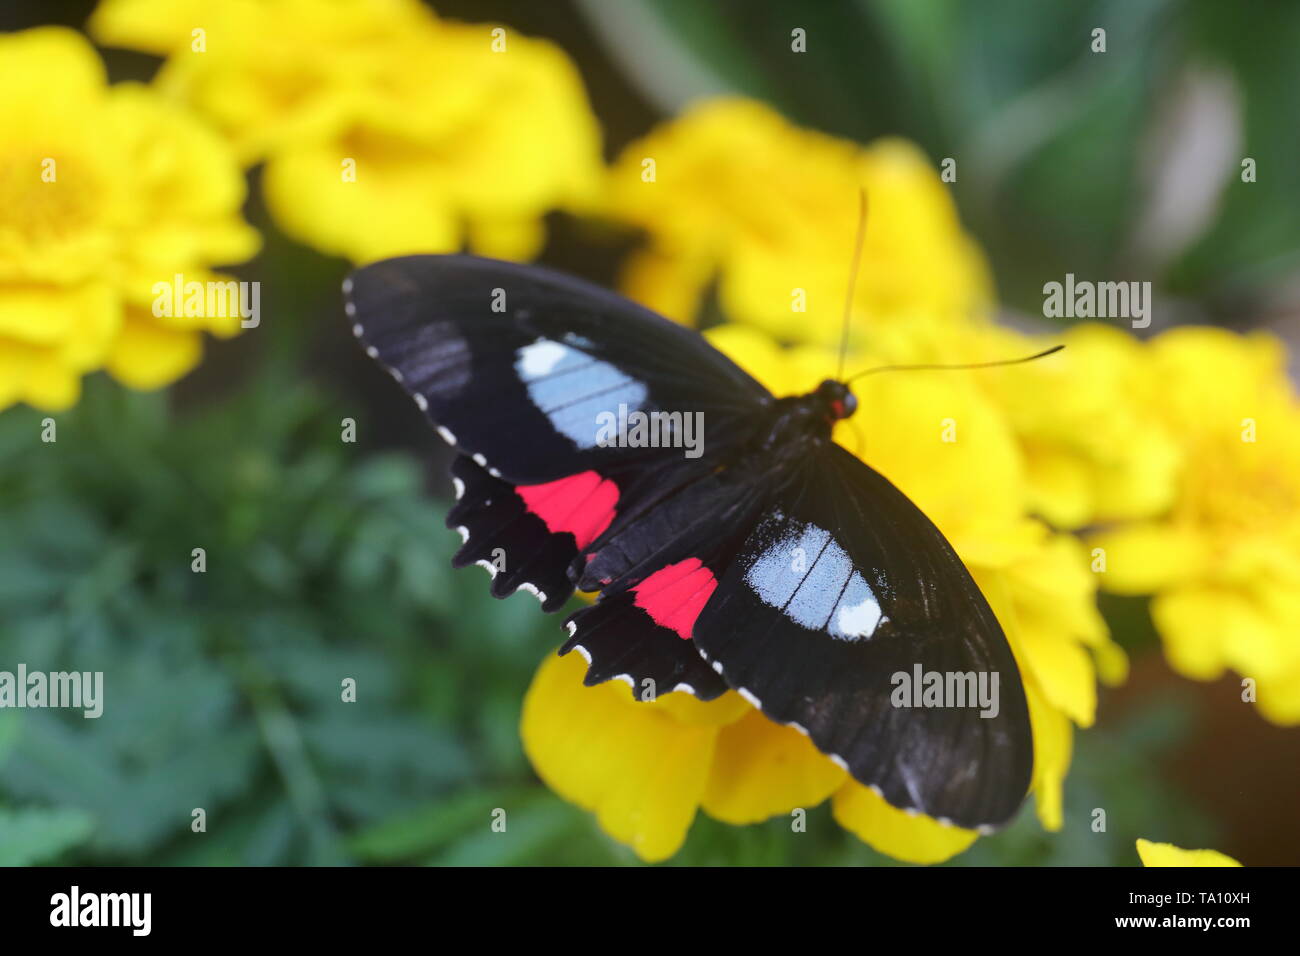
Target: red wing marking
(582,504)
(675,595)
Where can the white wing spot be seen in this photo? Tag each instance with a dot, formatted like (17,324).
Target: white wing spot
(446,434)
(464,533)
(421,401)
(487,566)
(459,486)
(860,620)
(539,358)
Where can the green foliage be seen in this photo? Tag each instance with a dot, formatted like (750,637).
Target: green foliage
(37,835)
(223,688)
(1256,238)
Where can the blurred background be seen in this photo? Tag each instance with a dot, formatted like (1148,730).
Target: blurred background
(214,678)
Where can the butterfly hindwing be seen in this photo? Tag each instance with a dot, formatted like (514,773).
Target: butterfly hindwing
(657,569)
(501,534)
(638,631)
(844,584)
(621,639)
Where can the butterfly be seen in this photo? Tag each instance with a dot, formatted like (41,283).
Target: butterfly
(734,545)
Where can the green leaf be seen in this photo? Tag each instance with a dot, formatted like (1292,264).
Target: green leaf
(38,835)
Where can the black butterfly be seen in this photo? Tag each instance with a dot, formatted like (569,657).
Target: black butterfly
(772,562)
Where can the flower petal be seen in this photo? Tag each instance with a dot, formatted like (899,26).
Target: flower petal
(38,377)
(1166,854)
(50,64)
(148,355)
(727,709)
(1197,626)
(1146,557)
(904,836)
(640,770)
(762,769)
(392,208)
(1053,746)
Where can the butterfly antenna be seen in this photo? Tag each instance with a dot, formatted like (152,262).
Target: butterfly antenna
(853,278)
(915,368)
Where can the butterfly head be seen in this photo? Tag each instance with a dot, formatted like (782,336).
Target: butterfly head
(838,401)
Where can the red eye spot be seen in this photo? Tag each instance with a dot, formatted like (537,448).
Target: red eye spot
(837,408)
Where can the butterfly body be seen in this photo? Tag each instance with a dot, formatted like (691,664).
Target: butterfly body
(748,553)
(799,422)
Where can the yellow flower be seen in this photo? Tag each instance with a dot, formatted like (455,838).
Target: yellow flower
(1224,560)
(409,134)
(1166,854)
(267,72)
(644,768)
(105,191)
(1094,445)
(771,210)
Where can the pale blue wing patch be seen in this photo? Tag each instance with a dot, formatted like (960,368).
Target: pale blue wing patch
(572,389)
(811,579)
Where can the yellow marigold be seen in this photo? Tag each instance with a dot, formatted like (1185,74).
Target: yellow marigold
(645,768)
(384,130)
(1224,560)
(105,191)
(1166,854)
(731,190)
(1095,448)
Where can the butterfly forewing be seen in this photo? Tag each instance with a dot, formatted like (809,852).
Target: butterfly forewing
(517,364)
